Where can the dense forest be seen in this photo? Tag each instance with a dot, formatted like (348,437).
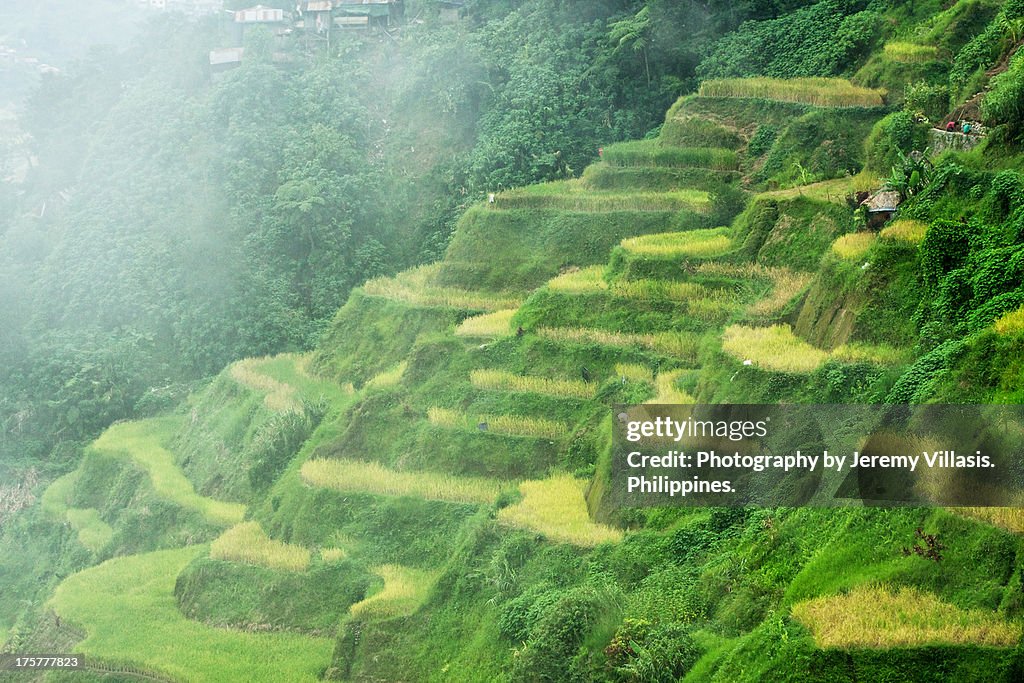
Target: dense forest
(308,362)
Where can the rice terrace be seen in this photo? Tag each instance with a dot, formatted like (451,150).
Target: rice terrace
(322,321)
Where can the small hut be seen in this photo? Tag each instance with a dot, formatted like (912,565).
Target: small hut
(881,206)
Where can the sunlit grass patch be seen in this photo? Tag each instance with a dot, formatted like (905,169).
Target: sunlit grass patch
(556,508)
(905,230)
(652,153)
(405,590)
(93,532)
(667,391)
(884,617)
(854,245)
(835,190)
(280,397)
(820,92)
(691,243)
(634,372)
(573,195)
(388,378)
(497,324)
(248,543)
(333,554)
(1009,518)
(370,477)
(910,53)
(128,609)
(1010,323)
(524,425)
(580,281)
(879,354)
(785,283)
(417,287)
(677,344)
(772,348)
(293,369)
(500,380)
(142,441)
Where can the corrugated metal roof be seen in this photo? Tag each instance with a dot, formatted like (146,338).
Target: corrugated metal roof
(319,6)
(885,200)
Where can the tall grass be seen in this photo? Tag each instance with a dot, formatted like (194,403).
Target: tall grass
(573,196)
(1009,518)
(93,532)
(369,477)
(388,378)
(679,345)
(580,281)
(819,92)
(1011,323)
(772,348)
(652,153)
(508,425)
(280,397)
(853,246)
(490,325)
(668,392)
(127,607)
(905,230)
(248,543)
(691,243)
(557,508)
(884,617)
(910,53)
(786,283)
(142,441)
(500,380)
(331,555)
(835,191)
(879,354)
(405,590)
(417,287)
(635,372)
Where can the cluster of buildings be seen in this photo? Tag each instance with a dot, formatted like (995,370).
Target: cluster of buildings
(312,23)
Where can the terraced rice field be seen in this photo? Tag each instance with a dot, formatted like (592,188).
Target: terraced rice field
(819,92)
(405,589)
(142,441)
(248,543)
(350,476)
(556,508)
(886,617)
(416,287)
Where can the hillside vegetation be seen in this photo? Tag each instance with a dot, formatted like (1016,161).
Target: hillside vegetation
(425,495)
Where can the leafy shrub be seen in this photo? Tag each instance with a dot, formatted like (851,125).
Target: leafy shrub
(945,247)
(641,652)
(896,133)
(1004,102)
(930,100)
(762,140)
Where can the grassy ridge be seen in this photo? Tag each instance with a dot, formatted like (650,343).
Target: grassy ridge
(142,441)
(404,590)
(127,608)
(819,92)
(556,508)
(360,477)
(248,543)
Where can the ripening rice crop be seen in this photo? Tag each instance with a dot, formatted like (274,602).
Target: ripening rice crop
(523,425)
(1010,323)
(248,543)
(635,372)
(574,196)
(559,387)
(333,554)
(652,153)
(405,590)
(905,230)
(786,283)
(417,287)
(280,397)
(819,92)
(691,243)
(668,392)
(388,378)
(677,344)
(490,325)
(1009,518)
(853,246)
(370,477)
(579,281)
(772,348)
(557,508)
(879,354)
(910,53)
(888,617)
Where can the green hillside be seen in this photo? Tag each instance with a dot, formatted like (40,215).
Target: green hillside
(424,496)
